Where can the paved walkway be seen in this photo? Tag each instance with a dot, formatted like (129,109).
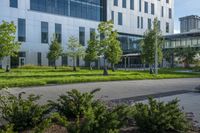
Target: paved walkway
(115,90)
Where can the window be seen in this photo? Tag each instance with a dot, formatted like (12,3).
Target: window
(141,22)
(162,12)
(149,23)
(138,22)
(92,33)
(113,16)
(159,25)
(140,5)
(58,32)
(167,1)
(120,18)
(124,3)
(44,32)
(170,13)
(115,2)
(146,7)
(39,58)
(152,9)
(82,36)
(132,4)
(21,30)
(14,3)
(167,27)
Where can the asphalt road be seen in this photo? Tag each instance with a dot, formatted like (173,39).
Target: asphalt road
(116,89)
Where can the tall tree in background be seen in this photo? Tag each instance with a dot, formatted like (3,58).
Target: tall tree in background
(151,46)
(114,52)
(108,43)
(8,45)
(186,54)
(74,50)
(55,50)
(92,50)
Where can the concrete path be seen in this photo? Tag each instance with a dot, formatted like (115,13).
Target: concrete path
(115,90)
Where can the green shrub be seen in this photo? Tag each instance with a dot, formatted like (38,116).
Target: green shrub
(23,114)
(158,117)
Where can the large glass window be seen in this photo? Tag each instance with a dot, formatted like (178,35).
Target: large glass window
(138,22)
(21,30)
(162,12)
(152,9)
(140,5)
(170,13)
(141,22)
(113,16)
(149,23)
(146,7)
(120,18)
(87,9)
(132,4)
(14,3)
(58,32)
(124,3)
(167,27)
(115,2)
(44,32)
(82,36)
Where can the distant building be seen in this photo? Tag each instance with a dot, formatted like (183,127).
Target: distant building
(190,24)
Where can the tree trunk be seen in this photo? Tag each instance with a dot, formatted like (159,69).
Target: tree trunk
(7,68)
(55,65)
(113,67)
(90,66)
(74,65)
(151,70)
(105,70)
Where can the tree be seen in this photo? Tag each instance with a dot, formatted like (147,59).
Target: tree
(186,54)
(107,43)
(92,50)
(114,52)
(74,50)
(8,45)
(55,50)
(168,55)
(151,45)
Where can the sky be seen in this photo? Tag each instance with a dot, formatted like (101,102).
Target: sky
(185,8)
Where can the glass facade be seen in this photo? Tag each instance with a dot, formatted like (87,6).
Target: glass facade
(129,43)
(58,32)
(44,32)
(86,9)
(21,30)
(14,3)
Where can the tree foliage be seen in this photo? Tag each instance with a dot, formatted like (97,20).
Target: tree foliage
(109,44)
(74,50)
(55,50)
(186,54)
(8,45)
(148,44)
(92,49)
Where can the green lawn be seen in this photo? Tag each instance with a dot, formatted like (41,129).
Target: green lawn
(23,77)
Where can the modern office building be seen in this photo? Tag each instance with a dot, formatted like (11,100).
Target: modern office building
(190,24)
(38,20)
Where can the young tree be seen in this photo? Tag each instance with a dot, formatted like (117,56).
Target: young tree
(55,50)
(92,50)
(151,46)
(107,44)
(8,45)
(186,54)
(74,50)
(114,52)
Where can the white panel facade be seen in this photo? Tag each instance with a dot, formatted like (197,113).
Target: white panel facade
(70,25)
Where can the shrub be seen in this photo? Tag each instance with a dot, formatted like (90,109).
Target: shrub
(158,117)
(23,114)
(88,115)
